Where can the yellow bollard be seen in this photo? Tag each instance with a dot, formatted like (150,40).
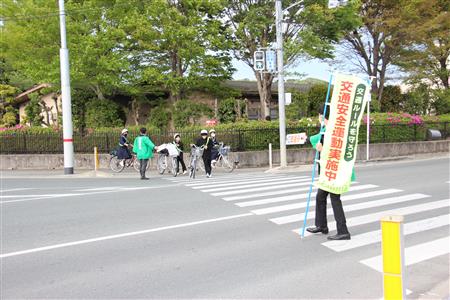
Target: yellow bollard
(393,257)
(96,160)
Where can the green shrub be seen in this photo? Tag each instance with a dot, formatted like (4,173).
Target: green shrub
(186,112)
(104,113)
(442,101)
(159,117)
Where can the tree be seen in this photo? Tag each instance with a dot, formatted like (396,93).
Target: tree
(8,113)
(392,99)
(426,55)
(30,43)
(178,44)
(311,31)
(378,40)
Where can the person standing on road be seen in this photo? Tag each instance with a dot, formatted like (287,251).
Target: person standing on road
(321,198)
(215,149)
(143,147)
(206,143)
(180,147)
(123,152)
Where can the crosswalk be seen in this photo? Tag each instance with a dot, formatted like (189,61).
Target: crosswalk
(282,198)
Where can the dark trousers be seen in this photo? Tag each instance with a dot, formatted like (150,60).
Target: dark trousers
(180,160)
(143,167)
(207,163)
(321,211)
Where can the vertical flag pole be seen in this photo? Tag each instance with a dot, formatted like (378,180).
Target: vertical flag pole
(316,157)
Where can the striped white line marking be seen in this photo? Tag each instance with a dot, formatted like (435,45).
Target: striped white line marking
(373,237)
(232,180)
(273,193)
(37,195)
(233,188)
(201,179)
(274,200)
(375,217)
(354,207)
(264,188)
(122,235)
(415,254)
(269,210)
(15,190)
(220,186)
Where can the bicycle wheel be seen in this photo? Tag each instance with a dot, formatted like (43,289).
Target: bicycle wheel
(226,164)
(116,165)
(137,165)
(162,164)
(192,168)
(174,166)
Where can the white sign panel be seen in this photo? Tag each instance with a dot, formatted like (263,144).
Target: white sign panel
(296,138)
(287,98)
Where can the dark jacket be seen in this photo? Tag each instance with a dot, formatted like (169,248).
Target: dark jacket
(123,152)
(179,145)
(208,145)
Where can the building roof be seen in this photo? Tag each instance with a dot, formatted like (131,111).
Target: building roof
(23,97)
(250,87)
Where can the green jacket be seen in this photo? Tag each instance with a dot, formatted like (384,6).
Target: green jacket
(143,147)
(315,139)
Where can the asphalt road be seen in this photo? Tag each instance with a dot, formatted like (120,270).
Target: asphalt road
(232,236)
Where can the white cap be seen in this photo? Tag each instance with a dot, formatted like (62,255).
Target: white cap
(124,130)
(175,135)
(212,130)
(204,131)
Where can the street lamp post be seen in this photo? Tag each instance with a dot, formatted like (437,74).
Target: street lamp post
(65,94)
(280,68)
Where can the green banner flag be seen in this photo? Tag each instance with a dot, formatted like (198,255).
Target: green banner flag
(338,154)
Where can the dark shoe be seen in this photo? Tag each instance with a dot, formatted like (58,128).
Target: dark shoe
(324,230)
(337,237)
(145,178)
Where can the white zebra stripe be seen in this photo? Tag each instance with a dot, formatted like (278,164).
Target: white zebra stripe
(233,188)
(373,237)
(259,189)
(415,254)
(269,210)
(222,186)
(300,196)
(375,217)
(358,206)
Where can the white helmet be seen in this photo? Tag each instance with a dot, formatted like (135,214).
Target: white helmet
(204,131)
(124,130)
(212,130)
(175,135)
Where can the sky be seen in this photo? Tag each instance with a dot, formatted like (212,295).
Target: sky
(310,68)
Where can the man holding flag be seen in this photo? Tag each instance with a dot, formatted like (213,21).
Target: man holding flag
(337,147)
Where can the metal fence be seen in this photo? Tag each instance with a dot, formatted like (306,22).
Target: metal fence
(239,140)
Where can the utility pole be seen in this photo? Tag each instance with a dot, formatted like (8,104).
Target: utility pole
(65,93)
(280,65)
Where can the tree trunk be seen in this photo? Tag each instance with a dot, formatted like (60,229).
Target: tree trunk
(264,82)
(135,108)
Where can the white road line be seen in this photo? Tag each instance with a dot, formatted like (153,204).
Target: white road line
(415,254)
(201,180)
(192,183)
(274,193)
(373,237)
(264,188)
(38,195)
(251,185)
(302,196)
(122,235)
(244,181)
(15,190)
(99,189)
(375,217)
(274,209)
(353,207)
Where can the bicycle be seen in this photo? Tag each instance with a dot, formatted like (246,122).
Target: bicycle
(222,159)
(118,165)
(196,153)
(168,155)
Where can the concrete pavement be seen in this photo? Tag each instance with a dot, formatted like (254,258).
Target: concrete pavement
(118,237)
